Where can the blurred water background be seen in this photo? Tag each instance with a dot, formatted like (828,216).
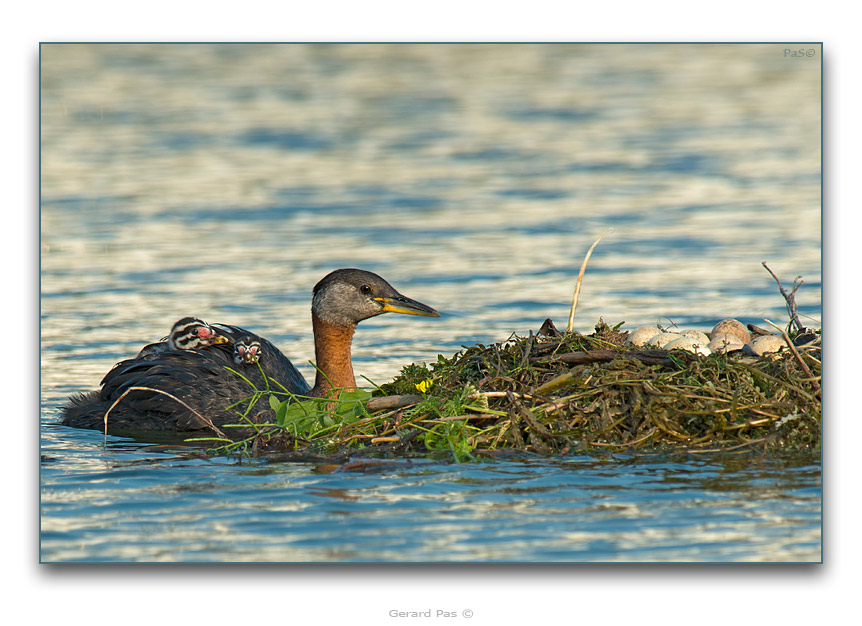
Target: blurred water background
(224,180)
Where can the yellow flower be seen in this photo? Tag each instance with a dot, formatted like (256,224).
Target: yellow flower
(425,385)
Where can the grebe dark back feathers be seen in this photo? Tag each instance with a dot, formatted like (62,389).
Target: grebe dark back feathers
(202,379)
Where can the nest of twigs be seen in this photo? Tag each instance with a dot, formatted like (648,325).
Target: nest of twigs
(566,393)
(554,393)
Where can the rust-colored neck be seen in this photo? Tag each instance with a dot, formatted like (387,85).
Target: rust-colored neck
(332,351)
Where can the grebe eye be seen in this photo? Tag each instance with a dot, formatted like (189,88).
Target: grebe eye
(366,289)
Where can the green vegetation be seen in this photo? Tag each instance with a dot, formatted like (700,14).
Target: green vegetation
(550,395)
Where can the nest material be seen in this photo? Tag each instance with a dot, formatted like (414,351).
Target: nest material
(571,392)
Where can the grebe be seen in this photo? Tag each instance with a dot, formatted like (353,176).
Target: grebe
(202,380)
(188,333)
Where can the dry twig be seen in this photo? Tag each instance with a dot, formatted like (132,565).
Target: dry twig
(789,298)
(792,349)
(207,421)
(580,279)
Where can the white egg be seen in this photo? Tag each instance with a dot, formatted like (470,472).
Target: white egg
(689,345)
(725,343)
(660,340)
(731,327)
(696,335)
(639,336)
(767,343)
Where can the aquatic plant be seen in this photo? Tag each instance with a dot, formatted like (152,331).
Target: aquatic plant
(553,393)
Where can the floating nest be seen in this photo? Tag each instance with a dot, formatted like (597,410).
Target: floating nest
(555,393)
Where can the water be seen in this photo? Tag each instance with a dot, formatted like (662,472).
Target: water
(224,181)
(142,506)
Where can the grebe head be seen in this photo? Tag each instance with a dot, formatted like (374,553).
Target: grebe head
(347,296)
(191,333)
(246,351)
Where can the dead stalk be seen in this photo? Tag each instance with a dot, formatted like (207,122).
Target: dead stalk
(792,349)
(164,393)
(580,280)
(789,298)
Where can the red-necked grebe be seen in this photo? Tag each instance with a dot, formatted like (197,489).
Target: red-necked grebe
(246,351)
(201,379)
(188,333)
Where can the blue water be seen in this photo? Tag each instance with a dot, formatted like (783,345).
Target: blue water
(225,181)
(139,505)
